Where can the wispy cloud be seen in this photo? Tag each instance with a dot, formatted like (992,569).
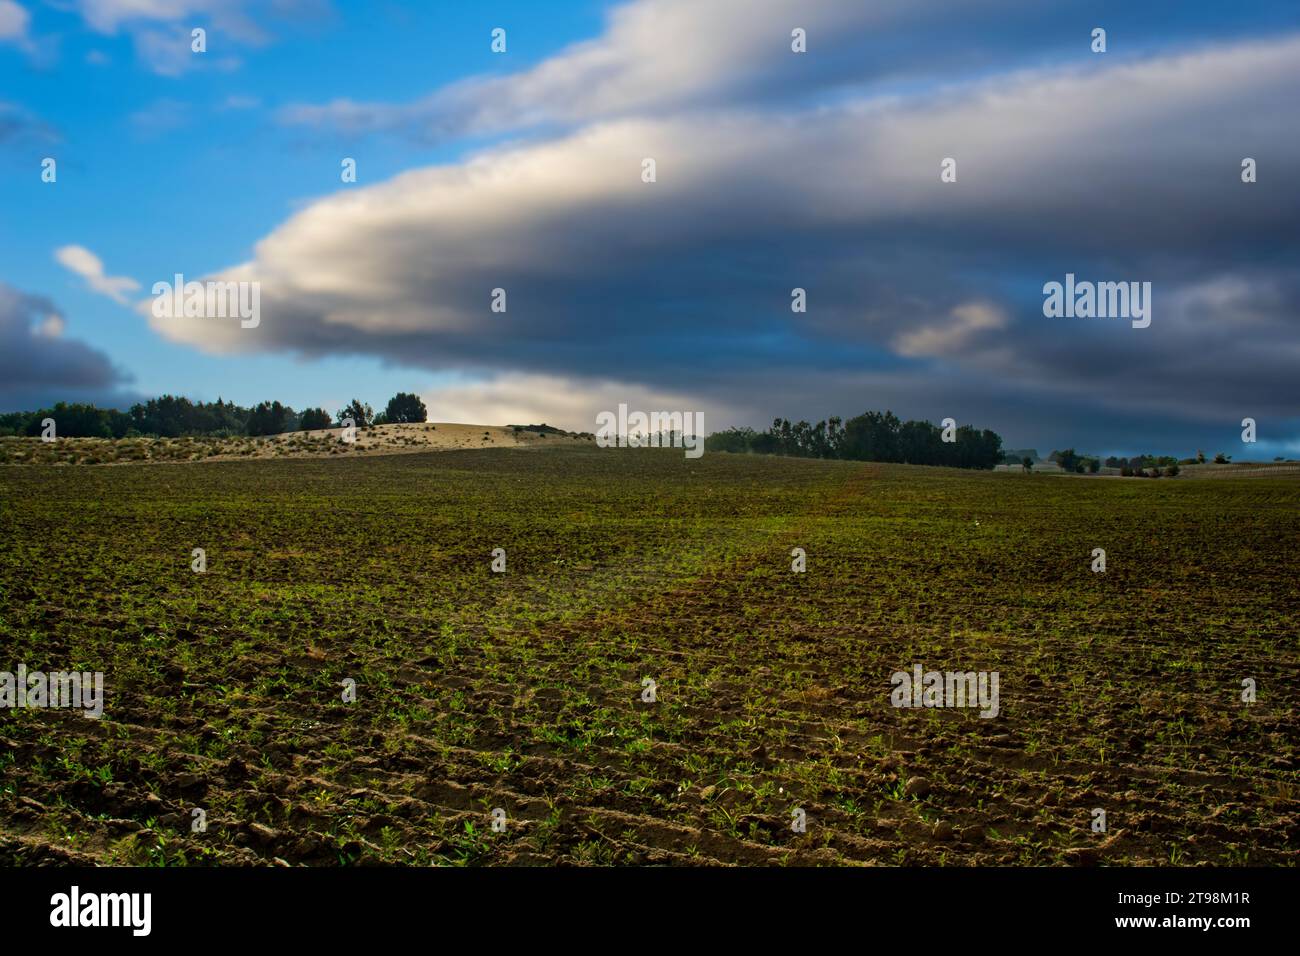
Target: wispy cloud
(83,262)
(160,30)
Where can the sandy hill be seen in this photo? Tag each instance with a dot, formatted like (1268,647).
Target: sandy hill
(320,443)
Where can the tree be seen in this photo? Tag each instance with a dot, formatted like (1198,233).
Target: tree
(1069,460)
(268,418)
(735,440)
(1172,471)
(72,421)
(1222,459)
(1027,464)
(360,414)
(405,407)
(314,418)
(1200,457)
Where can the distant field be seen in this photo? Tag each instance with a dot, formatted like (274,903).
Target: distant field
(523,690)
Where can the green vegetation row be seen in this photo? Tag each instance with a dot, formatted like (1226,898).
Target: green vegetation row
(871,436)
(172,416)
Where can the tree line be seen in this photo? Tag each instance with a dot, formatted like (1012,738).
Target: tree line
(171,416)
(871,436)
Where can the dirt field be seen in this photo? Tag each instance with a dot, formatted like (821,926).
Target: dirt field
(525,691)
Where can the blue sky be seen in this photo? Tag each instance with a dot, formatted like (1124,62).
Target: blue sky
(521,170)
(161,172)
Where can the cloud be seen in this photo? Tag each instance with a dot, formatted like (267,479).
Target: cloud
(662,57)
(110,16)
(565,402)
(38,366)
(1101,167)
(160,30)
(86,264)
(656,56)
(955,336)
(14,20)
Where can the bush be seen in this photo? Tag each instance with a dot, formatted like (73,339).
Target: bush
(1172,471)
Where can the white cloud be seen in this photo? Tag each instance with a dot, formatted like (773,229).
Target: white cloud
(50,327)
(109,16)
(14,20)
(160,30)
(86,264)
(957,334)
(565,402)
(653,55)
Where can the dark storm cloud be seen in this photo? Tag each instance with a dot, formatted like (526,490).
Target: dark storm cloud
(920,293)
(38,366)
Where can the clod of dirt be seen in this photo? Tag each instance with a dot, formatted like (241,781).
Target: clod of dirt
(917,787)
(943,830)
(191,784)
(263,834)
(124,826)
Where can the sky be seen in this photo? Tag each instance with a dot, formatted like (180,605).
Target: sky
(524,170)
